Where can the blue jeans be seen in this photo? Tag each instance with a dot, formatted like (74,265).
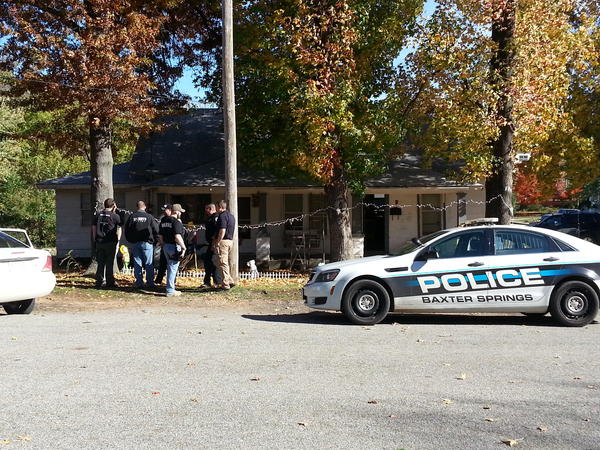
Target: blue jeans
(143,257)
(172,265)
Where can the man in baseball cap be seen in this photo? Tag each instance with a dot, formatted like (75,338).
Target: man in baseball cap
(175,207)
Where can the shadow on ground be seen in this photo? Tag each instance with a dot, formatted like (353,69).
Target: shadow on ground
(326,318)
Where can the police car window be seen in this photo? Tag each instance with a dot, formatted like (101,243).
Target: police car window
(564,247)
(409,246)
(511,242)
(7,241)
(461,245)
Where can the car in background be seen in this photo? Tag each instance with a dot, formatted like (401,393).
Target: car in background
(25,272)
(583,224)
(478,269)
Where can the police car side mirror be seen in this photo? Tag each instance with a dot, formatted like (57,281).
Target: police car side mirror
(427,254)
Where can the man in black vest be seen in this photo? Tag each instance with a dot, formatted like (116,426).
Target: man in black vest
(106,232)
(141,230)
(171,234)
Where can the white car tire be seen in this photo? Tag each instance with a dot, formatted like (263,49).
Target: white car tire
(366,302)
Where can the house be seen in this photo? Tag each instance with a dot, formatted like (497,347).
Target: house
(184,164)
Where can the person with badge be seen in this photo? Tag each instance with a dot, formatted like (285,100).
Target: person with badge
(106,233)
(171,234)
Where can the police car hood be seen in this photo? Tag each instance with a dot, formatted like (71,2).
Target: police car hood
(351,262)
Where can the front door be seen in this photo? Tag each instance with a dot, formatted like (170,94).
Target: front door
(374,224)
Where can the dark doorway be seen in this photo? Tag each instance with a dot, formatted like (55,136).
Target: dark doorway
(193,205)
(374,224)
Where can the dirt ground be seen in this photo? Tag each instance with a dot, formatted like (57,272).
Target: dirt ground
(75,292)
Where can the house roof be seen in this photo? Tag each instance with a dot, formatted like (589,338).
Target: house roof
(407,172)
(187,141)
(212,174)
(122,176)
(189,152)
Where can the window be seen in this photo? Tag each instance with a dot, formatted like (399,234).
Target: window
(293,207)
(431,214)
(461,245)
(85,209)
(317,222)
(244,217)
(7,241)
(511,242)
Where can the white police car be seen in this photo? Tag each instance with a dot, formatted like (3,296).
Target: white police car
(489,268)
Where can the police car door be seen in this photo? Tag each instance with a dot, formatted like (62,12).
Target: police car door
(450,273)
(525,264)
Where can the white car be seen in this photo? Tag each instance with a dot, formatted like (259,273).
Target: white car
(483,269)
(25,272)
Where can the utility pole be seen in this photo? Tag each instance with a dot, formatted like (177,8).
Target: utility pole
(229,119)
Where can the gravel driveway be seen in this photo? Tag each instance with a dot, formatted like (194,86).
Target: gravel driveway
(163,377)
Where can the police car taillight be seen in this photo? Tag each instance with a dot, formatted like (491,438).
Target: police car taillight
(48,266)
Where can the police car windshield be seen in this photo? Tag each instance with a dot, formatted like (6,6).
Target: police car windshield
(414,244)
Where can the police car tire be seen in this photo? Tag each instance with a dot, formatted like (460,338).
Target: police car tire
(22,307)
(366,302)
(574,304)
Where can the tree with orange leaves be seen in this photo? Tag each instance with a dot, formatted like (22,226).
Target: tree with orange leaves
(499,75)
(98,61)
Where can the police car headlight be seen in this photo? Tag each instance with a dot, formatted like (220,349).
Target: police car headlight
(328,275)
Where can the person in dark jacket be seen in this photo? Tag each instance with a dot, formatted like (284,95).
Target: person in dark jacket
(210,269)
(162,265)
(171,234)
(106,232)
(141,230)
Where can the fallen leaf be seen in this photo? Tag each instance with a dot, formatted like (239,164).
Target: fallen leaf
(155,392)
(194,400)
(510,442)
(489,419)
(542,428)
(462,376)
(372,402)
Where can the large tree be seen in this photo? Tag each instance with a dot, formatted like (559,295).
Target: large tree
(498,78)
(315,92)
(98,62)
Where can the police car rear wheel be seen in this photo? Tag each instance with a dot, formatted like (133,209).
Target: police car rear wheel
(366,302)
(574,304)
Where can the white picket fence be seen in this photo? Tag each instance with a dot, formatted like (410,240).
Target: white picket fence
(243,275)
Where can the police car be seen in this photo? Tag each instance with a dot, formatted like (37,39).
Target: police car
(482,268)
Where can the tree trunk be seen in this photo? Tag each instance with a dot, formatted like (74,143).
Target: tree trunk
(499,185)
(101,163)
(340,230)
(101,168)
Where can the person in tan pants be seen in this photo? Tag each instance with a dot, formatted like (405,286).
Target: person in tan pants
(223,242)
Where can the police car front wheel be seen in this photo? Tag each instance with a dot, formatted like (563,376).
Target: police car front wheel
(366,302)
(574,304)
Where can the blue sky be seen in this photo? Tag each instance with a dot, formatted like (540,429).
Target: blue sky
(186,85)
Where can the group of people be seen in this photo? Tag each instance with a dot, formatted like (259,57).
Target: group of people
(143,232)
